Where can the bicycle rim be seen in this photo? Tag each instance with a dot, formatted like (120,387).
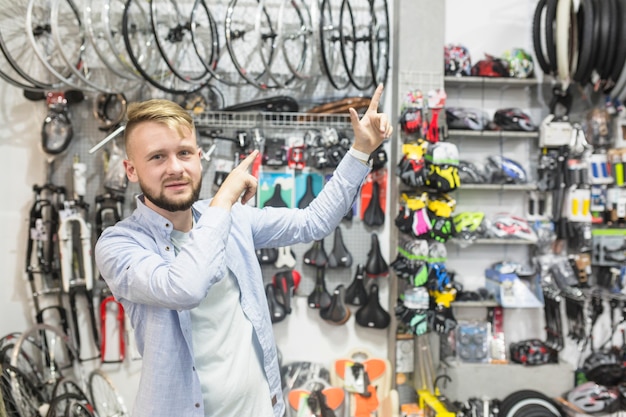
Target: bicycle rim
(330,45)
(171,24)
(355,33)
(246,43)
(39,32)
(21,57)
(105,397)
(90,69)
(379,42)
(296,43)
(139,40)
(100,36)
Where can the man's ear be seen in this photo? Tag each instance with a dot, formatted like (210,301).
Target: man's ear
(131,173)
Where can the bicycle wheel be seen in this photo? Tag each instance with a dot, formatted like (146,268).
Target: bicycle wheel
(295,39)
(21,397)
(70,404)
(171,24)
(38,17)
(50,351)
(379,42)
(140,44)
(91,71)
(22,58)
(105,397)
(107,41)
(251,43)
(355,35)
(208,33)
(330,44)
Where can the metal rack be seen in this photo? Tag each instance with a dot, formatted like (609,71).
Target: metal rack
(271,120)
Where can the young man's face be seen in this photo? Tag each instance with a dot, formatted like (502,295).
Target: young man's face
(166,166)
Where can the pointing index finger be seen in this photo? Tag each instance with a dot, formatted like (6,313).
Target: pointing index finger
(375,98)
(247,162)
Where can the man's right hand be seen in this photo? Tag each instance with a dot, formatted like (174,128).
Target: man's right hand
(238,184)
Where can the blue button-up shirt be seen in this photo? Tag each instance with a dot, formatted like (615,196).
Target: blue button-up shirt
(158,289)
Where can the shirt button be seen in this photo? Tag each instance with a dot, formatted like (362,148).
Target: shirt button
(167,225)
(194,368)
(167,248)
(197,405)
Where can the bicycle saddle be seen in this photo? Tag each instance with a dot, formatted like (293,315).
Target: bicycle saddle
(277,310)
(267,255)
(286,258)
(270,104)
(319,297)
(376,265)
(372,313)
(339,257)
(276,200)
(316,255)
(374,214)
(286,282)
(309,195)
(356,294)
(336,312)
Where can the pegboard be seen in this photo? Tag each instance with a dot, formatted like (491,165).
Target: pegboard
(289,126)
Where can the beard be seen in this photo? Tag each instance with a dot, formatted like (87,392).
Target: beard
(169,204)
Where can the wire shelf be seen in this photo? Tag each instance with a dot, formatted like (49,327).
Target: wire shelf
(271,120)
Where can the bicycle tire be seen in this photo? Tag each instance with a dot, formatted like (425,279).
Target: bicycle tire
(296,39)
(564,42)
(586,41)
(23,60)
(8,74)
(104,40)
(539,37)
(172,31)
(90,71)
(330,46)
(272,57)
(355,37)
(550,38)
(613,32)
(380,41)
(38,16)
(104,396)
(512,403)
(21,396)
(148,61)
(604,21)
(69,404)
(246,55)
(619,51)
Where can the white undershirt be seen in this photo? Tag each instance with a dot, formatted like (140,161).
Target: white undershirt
(226,352)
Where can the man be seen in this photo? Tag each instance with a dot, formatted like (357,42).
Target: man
(187,274)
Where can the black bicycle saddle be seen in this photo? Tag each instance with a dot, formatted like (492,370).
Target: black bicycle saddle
(316,255)
(376,265)
(277,310)
(309,195)
(356,294)
(372,313)
(339,257)
(285,286)
(374,214)
(276,200)
(336,312)
(319,297)
(267,255)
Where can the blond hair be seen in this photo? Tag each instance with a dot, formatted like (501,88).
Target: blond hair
(161,111)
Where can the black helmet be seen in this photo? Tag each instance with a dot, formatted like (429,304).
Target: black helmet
(513,119)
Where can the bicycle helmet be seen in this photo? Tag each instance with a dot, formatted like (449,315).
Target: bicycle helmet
(594,398)
(469,173)
(466,118)
(491,66)
(457,60)
(603,367)
(520,63)
(513,119)
(467,225)
(531,352)
(503,170)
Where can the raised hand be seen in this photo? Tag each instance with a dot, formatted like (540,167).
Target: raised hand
(373,128)
(238,184)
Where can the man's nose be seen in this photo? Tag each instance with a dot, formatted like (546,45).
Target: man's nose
(175,165)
